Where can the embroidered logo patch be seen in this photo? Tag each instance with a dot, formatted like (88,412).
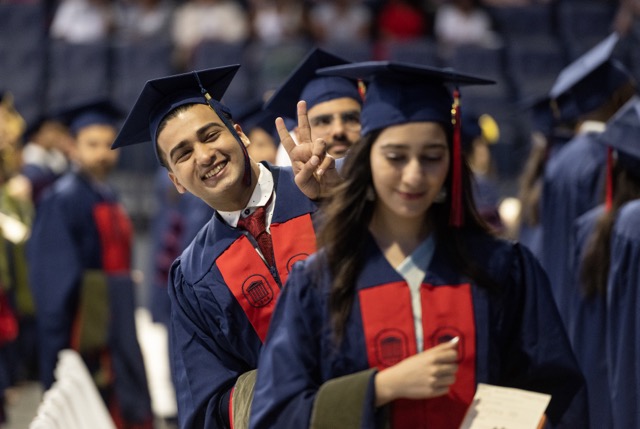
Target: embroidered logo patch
(257,290)
(444,334)
(391,346)
(295,258)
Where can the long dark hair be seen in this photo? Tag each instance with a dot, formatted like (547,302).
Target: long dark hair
(595,263)
(344,228)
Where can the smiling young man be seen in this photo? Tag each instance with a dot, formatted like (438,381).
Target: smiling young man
(333,103)
(224,286)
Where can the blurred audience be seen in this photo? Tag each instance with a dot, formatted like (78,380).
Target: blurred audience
(195,21)
(143,19)
(83,21)
(276,21)
(340,21)
(402,20)
(463,22)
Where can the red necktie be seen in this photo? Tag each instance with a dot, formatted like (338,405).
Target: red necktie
(255,224)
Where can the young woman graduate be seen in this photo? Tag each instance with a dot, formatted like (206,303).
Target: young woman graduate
(410,301)
(623,318)
(585,310)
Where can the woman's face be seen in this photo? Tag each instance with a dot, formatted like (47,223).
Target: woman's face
(409,165)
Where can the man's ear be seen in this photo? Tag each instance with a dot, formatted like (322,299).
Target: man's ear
(181,189)
(242,135)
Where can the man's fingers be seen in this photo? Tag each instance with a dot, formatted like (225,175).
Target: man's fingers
(304,129)
(306,171)
(327,163)
(285,137)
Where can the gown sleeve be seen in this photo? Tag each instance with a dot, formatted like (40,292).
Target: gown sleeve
(623,318)
(289,371)
(205,367)
(290,389)
(55,270)
(537,352)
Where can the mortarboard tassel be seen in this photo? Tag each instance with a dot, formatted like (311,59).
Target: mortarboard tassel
(456,215)
(362,89)
(608,201)
(246,178)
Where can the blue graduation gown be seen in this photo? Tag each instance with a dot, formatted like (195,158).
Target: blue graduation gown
(41,179)
(213,341)
(519,338)
(585,320)
(623,318)
(65,244)
(176,222)
(573,184)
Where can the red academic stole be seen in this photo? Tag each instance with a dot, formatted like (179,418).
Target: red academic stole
(250,279)
(447,312)
(115,231)
(115,235)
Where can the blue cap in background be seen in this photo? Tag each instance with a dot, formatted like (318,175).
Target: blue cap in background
(587,83)
(399,93)
(304,84)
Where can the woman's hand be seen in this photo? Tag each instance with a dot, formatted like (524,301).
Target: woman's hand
(425,375)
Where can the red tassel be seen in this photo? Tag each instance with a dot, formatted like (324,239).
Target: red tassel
(609,190)
(362,89)
(456,214)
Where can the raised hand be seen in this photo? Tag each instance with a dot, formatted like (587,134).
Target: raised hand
(425,375)
(313,168)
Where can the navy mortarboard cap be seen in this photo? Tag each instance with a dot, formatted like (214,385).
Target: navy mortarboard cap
(622,134)
(96,112)
(304,84)
(400,93)
(588,82)
(161,96)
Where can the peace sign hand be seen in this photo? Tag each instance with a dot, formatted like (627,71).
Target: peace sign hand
(313,168)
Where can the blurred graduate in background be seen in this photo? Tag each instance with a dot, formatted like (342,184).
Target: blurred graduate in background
(80,271)
(588,91)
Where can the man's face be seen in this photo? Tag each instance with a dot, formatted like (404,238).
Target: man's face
(337,122)
(204,158)
(93,150)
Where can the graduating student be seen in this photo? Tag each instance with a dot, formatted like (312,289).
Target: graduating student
(333,103)
(45,156)
(80,271)
(585,310)
(547,137)
(410,301)
(623,319)
(224,286)
(589,91)
(478,132)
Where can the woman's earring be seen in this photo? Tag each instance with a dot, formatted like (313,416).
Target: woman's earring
(441,197)
(371,194)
